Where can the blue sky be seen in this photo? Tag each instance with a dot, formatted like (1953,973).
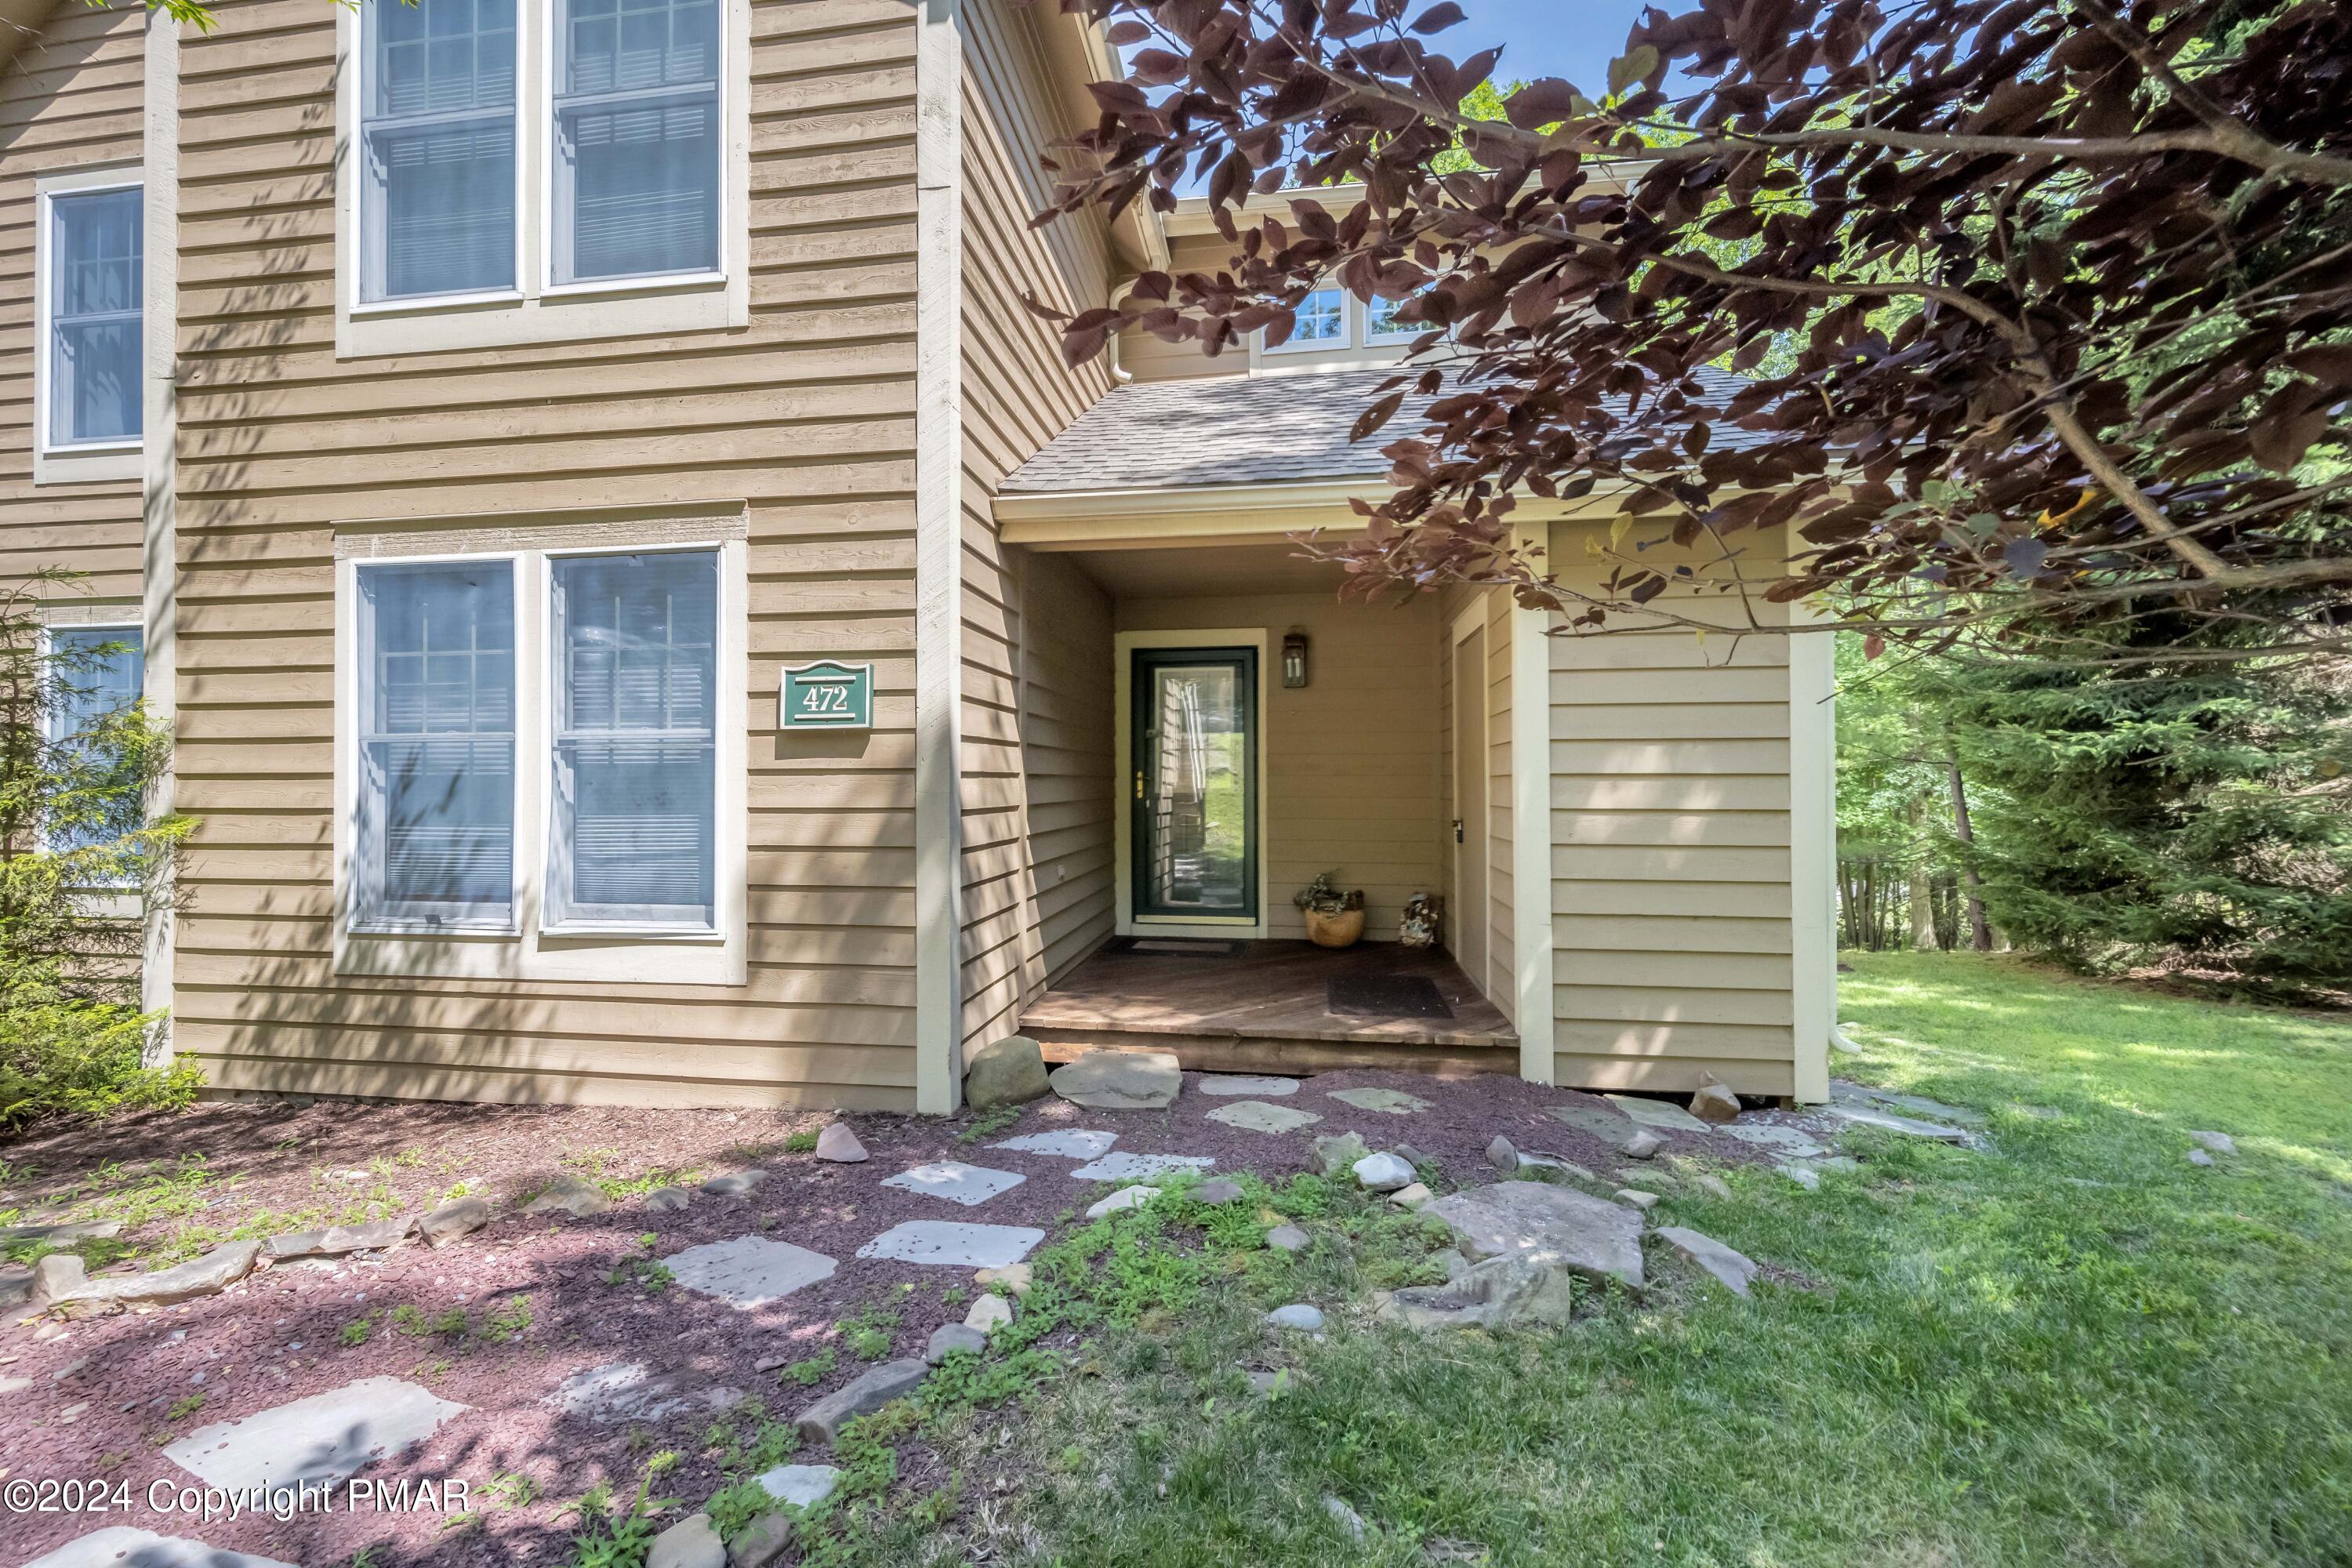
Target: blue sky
(1574,38)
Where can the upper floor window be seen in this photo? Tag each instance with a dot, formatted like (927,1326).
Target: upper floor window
(1382,326)
(93,284)
(1321,320)
(519,170)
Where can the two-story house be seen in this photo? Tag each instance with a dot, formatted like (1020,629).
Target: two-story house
(649,617)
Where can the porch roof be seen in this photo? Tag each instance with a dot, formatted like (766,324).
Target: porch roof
(1238,431)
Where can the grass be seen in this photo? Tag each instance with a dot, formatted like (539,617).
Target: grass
(2075,1348)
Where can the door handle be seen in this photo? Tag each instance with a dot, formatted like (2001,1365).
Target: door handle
(1457,831)
(1139,786)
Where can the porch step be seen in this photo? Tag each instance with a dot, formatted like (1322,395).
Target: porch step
(1287,1055)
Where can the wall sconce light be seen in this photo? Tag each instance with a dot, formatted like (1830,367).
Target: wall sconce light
(1294,660)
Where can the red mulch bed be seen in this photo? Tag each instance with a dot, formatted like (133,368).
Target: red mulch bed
(273,1338)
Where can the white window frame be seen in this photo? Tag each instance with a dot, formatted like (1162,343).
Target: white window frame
(1374,338)
(1357,347)
(531,947)
(104,900)
(79,462)
(538,311)
(1340,344)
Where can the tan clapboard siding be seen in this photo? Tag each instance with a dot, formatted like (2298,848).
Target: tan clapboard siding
(1037,647)
(69,99)
(804,418)
(1352,767)
(1147,358)
(1670,860)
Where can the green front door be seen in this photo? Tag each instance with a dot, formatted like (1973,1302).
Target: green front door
(1193,739)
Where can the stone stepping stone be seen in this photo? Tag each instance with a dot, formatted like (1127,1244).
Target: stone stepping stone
(322,1438)
(750,1271)
(1609,1125)
(803,1485)
(953,1244)
(1227,1084)
(1119,1081)
(1734,1269)
(1387,1101)
(1257,1115)
(1657,1113)
(1794,1141)
(1126,1167)
(1871,1116)
(1077,1144)
(121,1546)
(1848,1091)
(627,1391)
(956,1182)
(1121,1201)
(1555,1228)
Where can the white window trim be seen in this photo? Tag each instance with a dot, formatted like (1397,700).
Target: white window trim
(1340,344)
(82,462)
(1357,347)
(114,901)
(530,949)
(539,312)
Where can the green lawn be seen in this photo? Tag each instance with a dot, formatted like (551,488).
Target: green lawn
(2076,1348)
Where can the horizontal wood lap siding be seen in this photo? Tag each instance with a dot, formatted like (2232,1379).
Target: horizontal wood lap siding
(804,418)
(1035,862)
(1670,861)
(70,99)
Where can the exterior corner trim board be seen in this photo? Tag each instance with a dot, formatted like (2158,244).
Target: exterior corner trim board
(159,542)
(1535,1007)
(1812,838)
(939,556)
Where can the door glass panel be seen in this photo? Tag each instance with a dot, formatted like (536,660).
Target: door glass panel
(1196,757)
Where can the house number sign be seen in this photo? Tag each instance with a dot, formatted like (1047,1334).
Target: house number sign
(829,695)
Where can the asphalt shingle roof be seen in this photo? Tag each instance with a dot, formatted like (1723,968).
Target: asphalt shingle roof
(1231,430)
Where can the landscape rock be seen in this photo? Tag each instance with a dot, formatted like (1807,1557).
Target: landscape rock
(2200,1157)
(1351,1522)
(1793,1142)
(1598,1118)
(453,1220)
(1646,1180)
(1258,1115)
(1507,1292)
(1641,1200)
(1534,1162)
(1642,1144)
(1502,1155)
(1412,1197)
(1122,1200)
(15,1285)
(1656,1113)
(55,1276)
(747,1272)
(322,1438)
(1712,1184)
(1287,1239)
(206,1276)
(734,1183)
(949,1338)
(1734,1269)
(668,1200)
(1712,1101)
(1383,1173)
(1217,1192)
(2216,1143)
(1386,1102)
(1337,1153)
(1413,1156)
(338,1239)
(1553,1226)
(1917,1104)
(1010,1071)
(1805,1176)
(1868,1115)
(1014,1277)
(822,1422)
(988,1313)
(629,1394)
(64,1231)
(1253,1085)
(691,1542)
(569,1194)
(763,1541)
(1119,1081)
(837,1145)
(1300,1316)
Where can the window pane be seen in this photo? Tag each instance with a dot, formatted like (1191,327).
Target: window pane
(95,282)
(436,835)
(1380,320)
(636,780)
(438,204)
(637,127)
(100,671)
(1321,318)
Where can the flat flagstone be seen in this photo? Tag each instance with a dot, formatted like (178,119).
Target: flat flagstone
(953,1244)
(1126,1167)
(121,1546)
(1656,1113)
(1387,1101)
(1794,1141)
(749,1271)
(1846,1090)
(1735,1270)
(1077,1144)
(1257,1115)
(1604,1122)
(1871,1116)
(626,1393)
(803,1485)
(1228,1084)
(956,1182)
(322,1438)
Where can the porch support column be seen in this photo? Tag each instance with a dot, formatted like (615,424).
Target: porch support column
(939,557)
(159,567)
(1812,837)
(1532,956)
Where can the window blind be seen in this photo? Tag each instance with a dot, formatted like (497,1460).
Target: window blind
(636,134)
(96,278)
(438,148)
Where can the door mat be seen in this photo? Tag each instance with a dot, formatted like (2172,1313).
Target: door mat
(1178,947)
(1388,996)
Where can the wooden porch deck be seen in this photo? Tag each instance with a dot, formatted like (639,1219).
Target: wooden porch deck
(1264,1007)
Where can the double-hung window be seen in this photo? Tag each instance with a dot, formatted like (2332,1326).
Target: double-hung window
(529,170)
(91,285)
(99,672)
(536,745)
